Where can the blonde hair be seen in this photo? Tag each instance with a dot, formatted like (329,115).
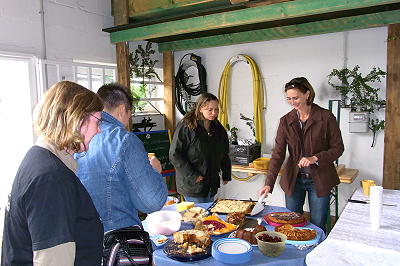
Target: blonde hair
(190,119)
(60,114)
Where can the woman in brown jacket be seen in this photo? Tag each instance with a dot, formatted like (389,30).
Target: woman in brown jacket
(314,141)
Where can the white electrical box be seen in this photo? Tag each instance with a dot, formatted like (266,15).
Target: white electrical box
(358,122)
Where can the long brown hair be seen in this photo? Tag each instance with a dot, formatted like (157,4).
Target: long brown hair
(302,84)
(190,119)
(60,114)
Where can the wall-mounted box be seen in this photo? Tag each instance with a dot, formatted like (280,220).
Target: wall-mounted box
(358,122)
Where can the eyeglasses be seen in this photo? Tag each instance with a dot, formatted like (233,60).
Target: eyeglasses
(99,120)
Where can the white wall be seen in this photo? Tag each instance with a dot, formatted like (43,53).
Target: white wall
(72,29)
(281,60)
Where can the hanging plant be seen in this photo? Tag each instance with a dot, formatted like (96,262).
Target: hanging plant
(355,90)
(357,93)
(142,66)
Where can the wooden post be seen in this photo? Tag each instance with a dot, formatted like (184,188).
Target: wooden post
(391,162)
(169,91)
(120,9)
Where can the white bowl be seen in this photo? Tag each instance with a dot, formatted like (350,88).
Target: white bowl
(163,222)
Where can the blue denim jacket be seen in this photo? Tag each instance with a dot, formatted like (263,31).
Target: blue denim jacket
(118,176)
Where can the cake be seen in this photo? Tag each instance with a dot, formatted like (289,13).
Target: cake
(215,225)
(193,214)
(228,206)
(296,234)
(184,205)
(198,237)
(249,234)
(237,218)
(286,217)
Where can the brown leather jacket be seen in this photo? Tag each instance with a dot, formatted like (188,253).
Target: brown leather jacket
(322,138)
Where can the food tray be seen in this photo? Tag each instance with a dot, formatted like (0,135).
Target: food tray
(265,218)
(306,242)
(172,250)
(216,201)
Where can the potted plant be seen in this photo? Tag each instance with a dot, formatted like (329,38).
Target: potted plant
(142,66)
(358,94)
(248,150)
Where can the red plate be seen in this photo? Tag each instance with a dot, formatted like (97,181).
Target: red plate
(277,224)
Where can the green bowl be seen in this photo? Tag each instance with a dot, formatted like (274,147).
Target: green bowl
(271,249)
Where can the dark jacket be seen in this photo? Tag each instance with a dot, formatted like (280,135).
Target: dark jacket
(198,153)
(322,138)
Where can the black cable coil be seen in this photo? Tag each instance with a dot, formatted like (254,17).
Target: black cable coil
(182,78)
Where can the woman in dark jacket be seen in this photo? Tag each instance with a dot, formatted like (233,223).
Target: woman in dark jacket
(314,141)
(200,151)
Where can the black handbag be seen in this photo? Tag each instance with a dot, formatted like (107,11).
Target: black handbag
(127,246)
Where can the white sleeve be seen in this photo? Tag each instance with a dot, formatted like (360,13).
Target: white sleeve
(60,255)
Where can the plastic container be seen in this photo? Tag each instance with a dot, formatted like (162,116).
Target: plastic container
(261,163)
(232,251)
(163,222)
(271,249)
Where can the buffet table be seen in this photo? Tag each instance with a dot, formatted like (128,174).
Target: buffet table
(291,256)
(353,242)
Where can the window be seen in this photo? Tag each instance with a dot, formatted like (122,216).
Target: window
(150,97)
(91,76)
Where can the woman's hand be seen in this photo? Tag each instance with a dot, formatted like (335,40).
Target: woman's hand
(264,190)
(199,179)
(225,182)
(307,161)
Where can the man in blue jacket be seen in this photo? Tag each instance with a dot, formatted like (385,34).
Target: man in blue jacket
(116,170)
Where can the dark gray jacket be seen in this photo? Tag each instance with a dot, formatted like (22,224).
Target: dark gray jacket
(198,153)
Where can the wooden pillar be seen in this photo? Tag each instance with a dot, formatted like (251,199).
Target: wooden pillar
(391,162)
(121,17)
(169,91)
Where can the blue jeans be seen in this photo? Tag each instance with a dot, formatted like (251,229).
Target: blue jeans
(319,206)
(209,198)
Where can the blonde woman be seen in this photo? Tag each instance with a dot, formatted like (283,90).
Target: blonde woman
(50,218)
(200,152)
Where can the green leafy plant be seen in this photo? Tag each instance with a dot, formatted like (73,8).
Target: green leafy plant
(249,123)
(375,126)
(355,90)
(357,93)
(233,134)
(138,92)
(142,66)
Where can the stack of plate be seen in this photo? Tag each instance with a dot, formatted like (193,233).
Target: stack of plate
(232,250)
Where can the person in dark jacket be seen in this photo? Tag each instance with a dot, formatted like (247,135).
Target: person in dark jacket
(314,141)
(50,218)
(200,152)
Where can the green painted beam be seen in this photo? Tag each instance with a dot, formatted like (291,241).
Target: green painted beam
(279,11)
(305,29)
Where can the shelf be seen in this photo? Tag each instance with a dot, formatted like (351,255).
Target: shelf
(346,175)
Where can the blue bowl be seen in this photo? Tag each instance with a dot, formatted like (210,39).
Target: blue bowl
(232,250)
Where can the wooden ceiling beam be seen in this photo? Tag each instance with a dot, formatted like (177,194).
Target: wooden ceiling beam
(273,12)
(305,29)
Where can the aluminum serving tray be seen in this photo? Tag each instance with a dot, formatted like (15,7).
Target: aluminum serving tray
(247,213)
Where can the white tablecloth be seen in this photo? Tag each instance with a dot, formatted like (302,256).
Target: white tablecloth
(353,242)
